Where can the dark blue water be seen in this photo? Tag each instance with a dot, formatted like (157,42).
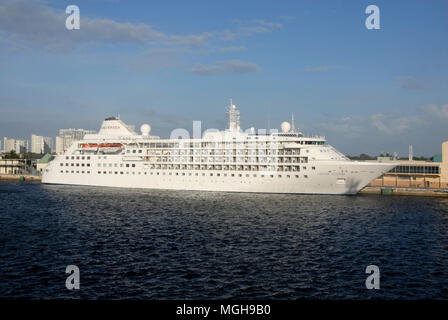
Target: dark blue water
(153,244)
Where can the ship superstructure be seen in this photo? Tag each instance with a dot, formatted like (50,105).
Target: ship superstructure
(229,160)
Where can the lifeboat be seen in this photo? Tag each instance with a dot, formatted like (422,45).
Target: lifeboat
(89,145)
(110,147)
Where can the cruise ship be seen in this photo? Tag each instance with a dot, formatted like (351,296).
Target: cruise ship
(278,161)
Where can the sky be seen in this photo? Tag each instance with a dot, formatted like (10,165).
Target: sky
(168,63)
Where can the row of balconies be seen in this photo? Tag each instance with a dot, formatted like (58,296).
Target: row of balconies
(224,167)
(224,160)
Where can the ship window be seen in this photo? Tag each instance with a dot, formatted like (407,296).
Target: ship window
(203,174)
(66,164)
(121,172)
(255,175)
(133,165)
(139,151)
(73,164)
(297,176)
(288,176)
(305,176)
(73,158)
(314,168)
(127,165)
(77,164)
(279,175)
(83,158)
(304,168)
(128,151)
(211,174)
(196,174)
(99,172)
(88,158)
(233,174)
(66,158)
(88,164)
(73,171)
(62,171)
(133,151)
(262,175)
(247,175)
(239,175)
(82,171)
(116,172)
(82,164)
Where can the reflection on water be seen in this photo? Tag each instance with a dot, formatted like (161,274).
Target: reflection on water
(158,244)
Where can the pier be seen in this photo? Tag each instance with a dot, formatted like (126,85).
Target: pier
(402,191)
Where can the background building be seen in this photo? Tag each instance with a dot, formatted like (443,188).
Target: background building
(8,144)
(416,174)
(21,145)
(68,136)
(40,144)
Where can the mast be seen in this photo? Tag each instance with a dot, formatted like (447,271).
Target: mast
(293,127)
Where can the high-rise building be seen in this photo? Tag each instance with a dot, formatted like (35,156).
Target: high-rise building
(21,145)
(40,144)
(68,136)
(17,145)
(8,144)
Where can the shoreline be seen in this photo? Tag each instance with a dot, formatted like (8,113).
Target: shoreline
(19,177)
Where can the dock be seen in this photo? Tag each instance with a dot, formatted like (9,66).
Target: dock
(400,191)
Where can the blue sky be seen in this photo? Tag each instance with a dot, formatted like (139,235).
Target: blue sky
(168,63)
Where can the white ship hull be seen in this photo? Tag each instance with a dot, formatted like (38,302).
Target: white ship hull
(343,178)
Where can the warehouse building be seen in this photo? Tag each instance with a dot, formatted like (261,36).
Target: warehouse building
(416,174)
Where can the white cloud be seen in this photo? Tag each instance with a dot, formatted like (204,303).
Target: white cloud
(225,67)
(410,82)
(435,111)
(36,24)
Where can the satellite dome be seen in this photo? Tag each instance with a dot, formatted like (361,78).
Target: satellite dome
(286,127)
(145,129)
